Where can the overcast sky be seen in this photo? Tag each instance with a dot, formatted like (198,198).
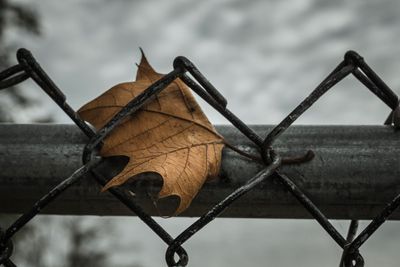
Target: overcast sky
(264,56)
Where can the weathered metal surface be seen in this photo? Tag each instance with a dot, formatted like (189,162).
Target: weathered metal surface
(355,172)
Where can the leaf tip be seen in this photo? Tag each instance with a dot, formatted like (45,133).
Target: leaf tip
(143,60)
(141,51)
(145,70)
(107,186)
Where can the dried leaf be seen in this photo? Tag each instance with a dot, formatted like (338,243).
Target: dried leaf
(170,136)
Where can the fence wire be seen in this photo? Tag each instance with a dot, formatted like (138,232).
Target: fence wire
(185,70)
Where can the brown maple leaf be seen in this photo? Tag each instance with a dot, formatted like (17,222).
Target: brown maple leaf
(170,136)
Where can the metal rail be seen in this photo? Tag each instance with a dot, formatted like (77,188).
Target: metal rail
(355,172)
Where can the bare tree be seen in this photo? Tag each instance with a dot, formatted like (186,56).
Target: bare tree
(81,253)
(15,17)
(32,241)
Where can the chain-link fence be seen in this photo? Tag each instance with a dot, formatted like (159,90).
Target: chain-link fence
(271,159)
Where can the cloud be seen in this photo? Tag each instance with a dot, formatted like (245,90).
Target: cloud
(264,56)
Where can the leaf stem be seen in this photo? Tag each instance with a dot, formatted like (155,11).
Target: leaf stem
(308,156)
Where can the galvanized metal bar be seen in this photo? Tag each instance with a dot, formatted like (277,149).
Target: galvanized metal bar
(354,174)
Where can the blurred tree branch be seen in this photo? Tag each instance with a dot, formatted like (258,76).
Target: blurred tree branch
(20,18)
(33,242)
